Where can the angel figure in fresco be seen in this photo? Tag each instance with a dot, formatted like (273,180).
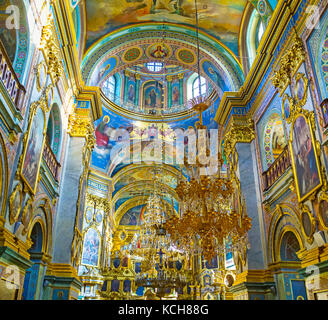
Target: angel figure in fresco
(172,6)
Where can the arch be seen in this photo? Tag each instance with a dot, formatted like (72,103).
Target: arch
(16,41)
(37,237)
(251,32)
(285,219)
(273,139)
(42,214)
(3,176)
(289,245)
(54,130)
(111,44)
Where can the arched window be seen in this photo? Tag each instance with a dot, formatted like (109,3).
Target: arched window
(109,88)
(53,134)
(289,247)
(198,87)
(154,66)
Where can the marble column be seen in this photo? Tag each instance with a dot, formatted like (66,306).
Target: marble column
(137,91)
(169,92)
(181,77)
(126,82)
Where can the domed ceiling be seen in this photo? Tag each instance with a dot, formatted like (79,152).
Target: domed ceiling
(120,38)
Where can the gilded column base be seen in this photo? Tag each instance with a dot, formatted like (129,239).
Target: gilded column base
(253,285)
(62,282)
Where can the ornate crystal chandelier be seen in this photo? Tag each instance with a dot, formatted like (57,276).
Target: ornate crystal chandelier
(155,249)
(210,216)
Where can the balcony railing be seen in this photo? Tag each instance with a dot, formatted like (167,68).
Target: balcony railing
(277,169)
(9,78)
(50,159)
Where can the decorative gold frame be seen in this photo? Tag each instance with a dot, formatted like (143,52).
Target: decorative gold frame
(308,121)
(304,209)
(48,90)
(322,197)
(85,213)
(26,223)
(290,100)
(42,65)
(100,246)
(298,78)
(13,216)
(34,108)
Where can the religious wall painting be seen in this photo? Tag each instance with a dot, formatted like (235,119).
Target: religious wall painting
(91,246)
(110,131)
(289,247)
(220,18)
(103,70)
(153,95)
(301,88)
(159,51)
(175,94)
(304,158)
(127,285)
(322,210)
(15,203)
(33,148)
(213,73)
(131,91)
(115,285)
(89,214)
(286,106)
(133,216)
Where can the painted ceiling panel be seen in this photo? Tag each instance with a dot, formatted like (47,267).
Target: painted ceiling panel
(219,18)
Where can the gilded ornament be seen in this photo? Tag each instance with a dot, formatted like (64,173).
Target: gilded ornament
(15,203)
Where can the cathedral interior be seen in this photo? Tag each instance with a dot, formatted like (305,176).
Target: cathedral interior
(146,152)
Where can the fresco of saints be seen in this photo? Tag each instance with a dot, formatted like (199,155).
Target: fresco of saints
(131,93)
(102,136)
(152,98)
(175,95)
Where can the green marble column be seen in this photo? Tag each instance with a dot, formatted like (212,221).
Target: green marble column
(126,82)
(169,92)
(136,99)
(181,76)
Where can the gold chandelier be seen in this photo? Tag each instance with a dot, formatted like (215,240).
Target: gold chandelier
(210,216)
(153,246)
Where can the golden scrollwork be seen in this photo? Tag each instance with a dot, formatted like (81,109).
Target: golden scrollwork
(100,203)
(51,51)
(15,203)
(76,249)
(241,130)
(289,64)
(27,215)
(79,124)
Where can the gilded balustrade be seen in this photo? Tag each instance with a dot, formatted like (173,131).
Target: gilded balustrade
(50,159)
(277,169)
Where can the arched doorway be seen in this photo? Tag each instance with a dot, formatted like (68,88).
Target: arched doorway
(35,274)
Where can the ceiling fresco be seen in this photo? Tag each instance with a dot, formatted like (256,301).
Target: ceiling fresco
(220,18)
